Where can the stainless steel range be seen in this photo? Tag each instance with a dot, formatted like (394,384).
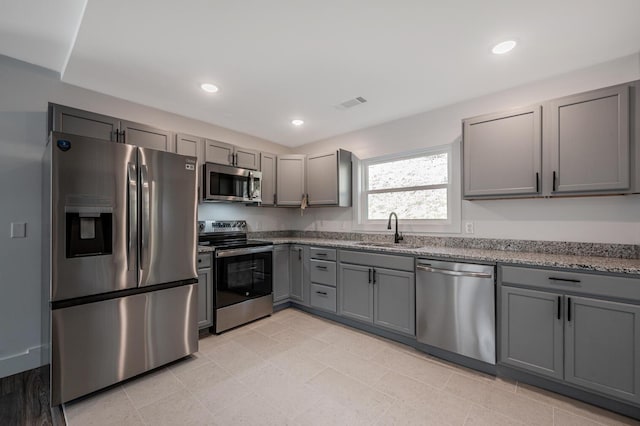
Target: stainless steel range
(243,280)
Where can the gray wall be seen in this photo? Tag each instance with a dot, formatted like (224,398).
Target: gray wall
(587,219)
(25,91)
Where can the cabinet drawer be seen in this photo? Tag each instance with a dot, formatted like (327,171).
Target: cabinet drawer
(204,261)
(402,263)
(572,282)
(323,272)
(323,297)
(322,253)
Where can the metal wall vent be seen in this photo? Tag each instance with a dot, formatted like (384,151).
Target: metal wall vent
(351,103)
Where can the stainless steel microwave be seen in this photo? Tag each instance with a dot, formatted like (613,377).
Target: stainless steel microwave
(227,183)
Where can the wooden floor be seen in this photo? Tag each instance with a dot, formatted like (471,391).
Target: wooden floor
(24,400)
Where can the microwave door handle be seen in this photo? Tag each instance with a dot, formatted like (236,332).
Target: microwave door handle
(250,185)
(132,214)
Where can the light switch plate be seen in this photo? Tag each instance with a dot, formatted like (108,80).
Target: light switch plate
(18,230)
(468,227)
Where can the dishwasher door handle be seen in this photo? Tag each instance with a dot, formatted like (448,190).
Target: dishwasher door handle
(454,273)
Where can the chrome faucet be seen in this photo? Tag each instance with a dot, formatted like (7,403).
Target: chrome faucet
(396,237)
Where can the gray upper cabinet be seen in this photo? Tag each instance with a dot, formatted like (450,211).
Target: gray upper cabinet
(532,336)
(603,347)
(296,284)
(218,152)
(146,136)
(190,145)
(329,179)
(231,155)
(281,274)
(84,123)
(246,158)
(290,172)
(502,154)
(268,169)
(587,139)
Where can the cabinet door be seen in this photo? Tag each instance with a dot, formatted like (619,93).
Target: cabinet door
(588,141)
(602,348)
(280,273)
(190,145)
(247,158)
(218,152)
(268,168)
(83,123)
(290,179)
(146,136)
(296,259)
(322,179)
(395,300)
(502,154)
(356,292)
(205,298)
(531,334)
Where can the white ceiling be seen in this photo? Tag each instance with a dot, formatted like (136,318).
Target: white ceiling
(283,59)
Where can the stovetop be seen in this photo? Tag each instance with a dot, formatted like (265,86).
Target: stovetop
(226,234)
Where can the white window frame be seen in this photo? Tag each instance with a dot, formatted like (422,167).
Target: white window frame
(449,225)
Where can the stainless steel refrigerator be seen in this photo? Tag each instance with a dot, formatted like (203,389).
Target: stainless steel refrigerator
(119,261)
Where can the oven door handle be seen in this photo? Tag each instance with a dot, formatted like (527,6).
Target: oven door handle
(243,251)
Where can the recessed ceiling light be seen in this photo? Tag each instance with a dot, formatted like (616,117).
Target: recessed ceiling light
(297,122)
(208,87)
(503,47)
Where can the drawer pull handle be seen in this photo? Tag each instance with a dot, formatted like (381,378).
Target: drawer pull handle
(321,254)
(324,293)
(566,280)
(321,267)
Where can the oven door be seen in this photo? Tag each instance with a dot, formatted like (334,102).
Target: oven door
(243,274)
(226,183)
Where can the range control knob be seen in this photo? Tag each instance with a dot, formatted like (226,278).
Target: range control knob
(201,226)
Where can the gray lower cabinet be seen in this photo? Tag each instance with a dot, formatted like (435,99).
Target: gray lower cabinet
(532,331)
(384,297)
(602,347)
(296,266)
(489,140)
(589,342)
(205,291)
(281,273)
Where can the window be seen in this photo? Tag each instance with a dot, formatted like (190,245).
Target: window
(417,186)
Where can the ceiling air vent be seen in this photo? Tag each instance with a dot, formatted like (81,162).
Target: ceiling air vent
(351,103)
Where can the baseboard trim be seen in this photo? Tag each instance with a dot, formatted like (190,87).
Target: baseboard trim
(22,361)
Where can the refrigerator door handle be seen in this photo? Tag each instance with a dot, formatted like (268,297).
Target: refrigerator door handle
(132,214)
(144,216)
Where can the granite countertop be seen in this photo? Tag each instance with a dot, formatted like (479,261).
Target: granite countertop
(580,263)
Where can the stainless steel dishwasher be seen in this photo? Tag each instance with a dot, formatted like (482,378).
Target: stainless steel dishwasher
(455,308)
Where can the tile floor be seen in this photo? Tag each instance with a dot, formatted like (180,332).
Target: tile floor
(294,368)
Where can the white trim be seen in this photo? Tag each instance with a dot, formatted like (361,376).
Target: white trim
(450,225)
(26,360)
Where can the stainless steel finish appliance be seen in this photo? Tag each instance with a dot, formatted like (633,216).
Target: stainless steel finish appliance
(242,273)
(120,249)
(227,183)
(455,308)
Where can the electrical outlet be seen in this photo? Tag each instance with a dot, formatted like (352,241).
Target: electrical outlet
(468,227)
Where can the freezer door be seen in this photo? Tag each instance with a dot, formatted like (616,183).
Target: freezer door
(167,191)
(93,217)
